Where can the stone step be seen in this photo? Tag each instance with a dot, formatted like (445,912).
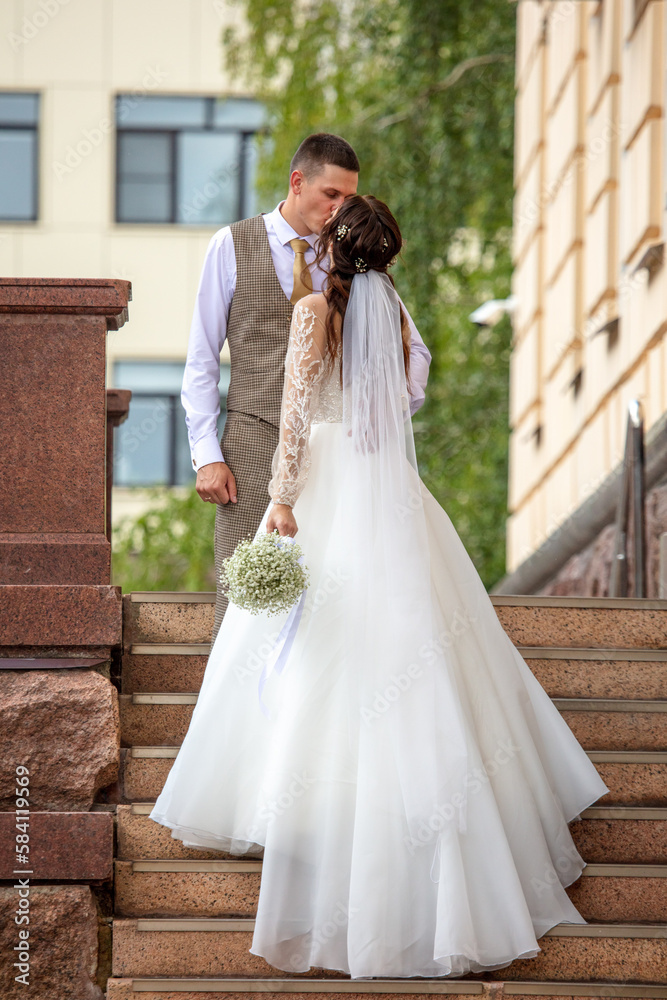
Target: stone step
(223,888)
(162,718)
(164,667)
(621,835)
(152,617)
(624,953)
(633,777)
(193,988)
(599,673)
(562,672)
(616,723)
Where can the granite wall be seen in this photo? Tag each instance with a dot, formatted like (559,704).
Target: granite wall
(587,574)
(60,637)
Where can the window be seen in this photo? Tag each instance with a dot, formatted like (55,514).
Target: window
(185,159)
(151,447)
(18,157)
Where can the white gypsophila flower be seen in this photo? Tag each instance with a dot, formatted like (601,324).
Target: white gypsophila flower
(263,575)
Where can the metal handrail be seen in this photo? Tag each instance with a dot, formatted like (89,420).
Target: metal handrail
(631,510)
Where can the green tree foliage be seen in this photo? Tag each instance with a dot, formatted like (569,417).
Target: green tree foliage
(423,89)
(170,547)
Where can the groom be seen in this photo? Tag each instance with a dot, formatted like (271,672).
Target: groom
(254,272)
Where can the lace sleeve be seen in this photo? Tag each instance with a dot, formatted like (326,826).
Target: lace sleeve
(303,373)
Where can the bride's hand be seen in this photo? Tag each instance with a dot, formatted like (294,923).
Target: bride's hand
(282,518)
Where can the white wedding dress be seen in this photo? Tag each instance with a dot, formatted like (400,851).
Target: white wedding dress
(410,792)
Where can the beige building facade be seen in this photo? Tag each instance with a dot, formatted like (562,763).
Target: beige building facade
(590,323)
(120,157)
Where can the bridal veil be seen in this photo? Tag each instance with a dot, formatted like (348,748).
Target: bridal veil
(402,662)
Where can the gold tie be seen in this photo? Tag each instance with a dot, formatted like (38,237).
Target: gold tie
(303,285)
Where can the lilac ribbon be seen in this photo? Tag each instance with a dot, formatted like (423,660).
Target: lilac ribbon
(281,648)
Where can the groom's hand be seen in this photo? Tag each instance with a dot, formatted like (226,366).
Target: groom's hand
(216,483)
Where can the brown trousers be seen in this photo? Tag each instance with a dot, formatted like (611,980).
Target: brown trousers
(248,444)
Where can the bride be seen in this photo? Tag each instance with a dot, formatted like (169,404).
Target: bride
(406,778)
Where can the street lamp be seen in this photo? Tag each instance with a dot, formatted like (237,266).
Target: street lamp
(491,311)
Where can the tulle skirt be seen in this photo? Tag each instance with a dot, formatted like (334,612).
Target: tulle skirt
(319,789)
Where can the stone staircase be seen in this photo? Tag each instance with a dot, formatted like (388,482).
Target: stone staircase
(183,918)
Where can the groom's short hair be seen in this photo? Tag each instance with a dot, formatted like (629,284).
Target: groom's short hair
(321,148)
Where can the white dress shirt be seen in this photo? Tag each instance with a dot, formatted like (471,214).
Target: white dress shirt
(200,394)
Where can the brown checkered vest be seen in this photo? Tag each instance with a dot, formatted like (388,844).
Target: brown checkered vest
(258,326)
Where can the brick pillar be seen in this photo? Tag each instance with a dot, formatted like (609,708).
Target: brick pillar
(60,625)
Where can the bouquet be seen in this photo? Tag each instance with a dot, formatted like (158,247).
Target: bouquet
(265,575)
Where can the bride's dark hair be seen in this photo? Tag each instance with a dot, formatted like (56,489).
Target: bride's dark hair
(363,235)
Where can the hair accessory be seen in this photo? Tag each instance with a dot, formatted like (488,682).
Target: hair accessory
(385,244)
(341,231)
(360,265)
